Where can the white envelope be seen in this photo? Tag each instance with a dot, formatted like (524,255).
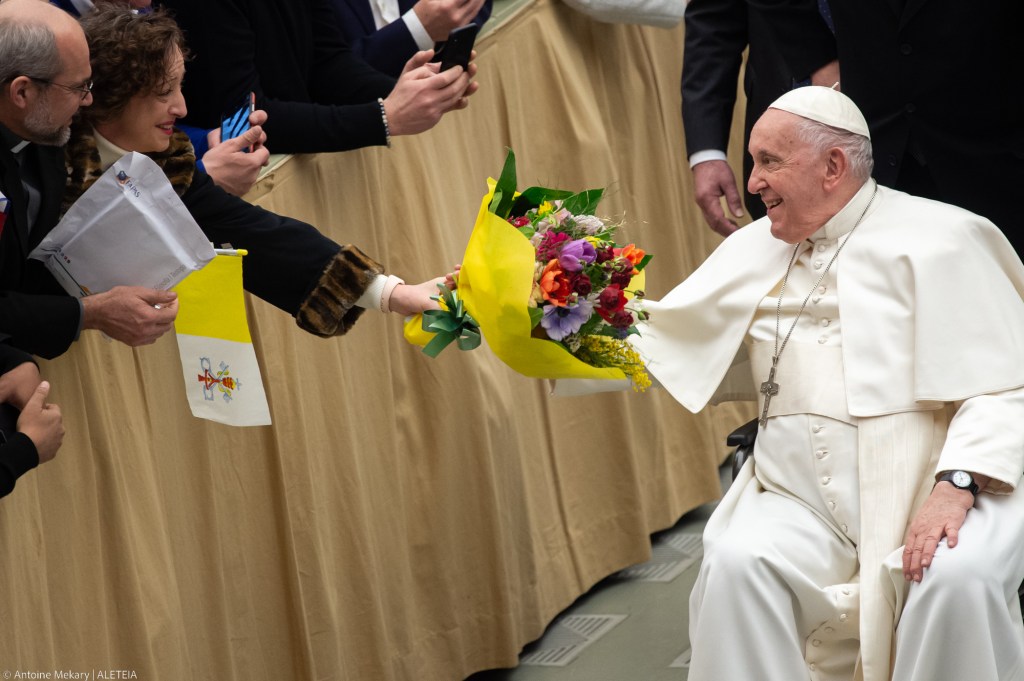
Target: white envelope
(128,229)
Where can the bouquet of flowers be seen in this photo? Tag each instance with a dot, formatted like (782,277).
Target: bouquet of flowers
(546,284)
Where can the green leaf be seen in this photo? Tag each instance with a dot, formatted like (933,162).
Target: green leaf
(506,186)
(643,262)
(584,203)
(495,202)
(536,314)
(534,196)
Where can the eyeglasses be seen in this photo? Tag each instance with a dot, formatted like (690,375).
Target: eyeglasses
(83,90)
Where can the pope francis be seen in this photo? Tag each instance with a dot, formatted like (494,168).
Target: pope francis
(878,532)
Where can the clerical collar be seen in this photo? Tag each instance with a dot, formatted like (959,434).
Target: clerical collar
(845,220)
(109,152)
(12,141)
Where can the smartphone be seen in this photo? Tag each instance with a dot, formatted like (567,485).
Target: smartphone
(458,47)
(237,123)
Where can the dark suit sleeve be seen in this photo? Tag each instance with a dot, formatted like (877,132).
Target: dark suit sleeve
(18,453)
(44,325)
(332,106)
(17,457)
(716,35)
(386,49)
(799,33)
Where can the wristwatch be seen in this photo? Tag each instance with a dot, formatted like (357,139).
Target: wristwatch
(960,480)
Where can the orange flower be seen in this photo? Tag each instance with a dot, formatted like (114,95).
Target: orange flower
(554,285)
(631,253)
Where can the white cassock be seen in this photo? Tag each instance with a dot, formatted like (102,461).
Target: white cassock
(924,372)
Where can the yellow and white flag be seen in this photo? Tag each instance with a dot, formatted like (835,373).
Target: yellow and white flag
(222,377)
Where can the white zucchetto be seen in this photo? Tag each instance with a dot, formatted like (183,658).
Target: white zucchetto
(824,105)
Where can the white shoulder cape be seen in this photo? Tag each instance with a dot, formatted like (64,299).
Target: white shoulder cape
(930,298)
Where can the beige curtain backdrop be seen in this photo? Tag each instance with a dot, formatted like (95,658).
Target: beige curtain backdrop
(405,519)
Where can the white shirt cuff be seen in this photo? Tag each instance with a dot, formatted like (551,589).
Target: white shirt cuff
(419,34)
(373,293)
(707,155)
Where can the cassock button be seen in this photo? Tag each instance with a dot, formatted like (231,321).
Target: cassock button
(811,667)
(829,630)
(822,340)
(845,529)
(821,289)
(826,479)
(892,160)
(906,48)
(826,322)
(818,264)
(832,505)
(821,453)
(816,299)
(816,428)
(910,107)
(843,617)
(821,246)
(816,643)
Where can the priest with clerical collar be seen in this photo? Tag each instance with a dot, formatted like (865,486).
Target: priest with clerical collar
(877,532)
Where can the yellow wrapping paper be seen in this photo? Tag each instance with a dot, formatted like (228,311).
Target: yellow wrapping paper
(495,285)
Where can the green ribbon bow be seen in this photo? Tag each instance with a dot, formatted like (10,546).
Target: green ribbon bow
(449,325)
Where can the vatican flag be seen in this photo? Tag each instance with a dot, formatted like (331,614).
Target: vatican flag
(222,377)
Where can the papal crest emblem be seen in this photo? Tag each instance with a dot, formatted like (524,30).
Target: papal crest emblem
(221,381)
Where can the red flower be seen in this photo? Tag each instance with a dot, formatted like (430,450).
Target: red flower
(621,319)
(621,279)
(550,244)
(581,285)
(520,221)
(611,300)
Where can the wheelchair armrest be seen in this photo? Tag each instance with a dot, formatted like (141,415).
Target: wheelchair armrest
(743,440)
(743,436)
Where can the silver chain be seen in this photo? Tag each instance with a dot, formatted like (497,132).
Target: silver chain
(792,259)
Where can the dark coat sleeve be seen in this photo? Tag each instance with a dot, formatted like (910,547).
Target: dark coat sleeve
(44,325)
(716,35)
(17,451)
(386,49)
(35,313)
(319,96)
(17,456)
(290,264)
(799,33)
(286,257)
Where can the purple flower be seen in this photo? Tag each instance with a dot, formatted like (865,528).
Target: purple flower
(575,253)
(559,322)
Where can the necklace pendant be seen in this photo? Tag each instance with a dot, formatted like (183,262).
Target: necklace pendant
(769,389)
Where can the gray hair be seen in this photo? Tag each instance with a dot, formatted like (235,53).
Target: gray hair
(28,48)
(824,137)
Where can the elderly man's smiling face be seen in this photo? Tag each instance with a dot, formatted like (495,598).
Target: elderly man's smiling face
(789,174)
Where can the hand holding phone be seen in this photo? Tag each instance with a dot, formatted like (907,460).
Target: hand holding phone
(237,123)
(457,49)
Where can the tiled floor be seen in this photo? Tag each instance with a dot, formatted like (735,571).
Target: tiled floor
(630,627)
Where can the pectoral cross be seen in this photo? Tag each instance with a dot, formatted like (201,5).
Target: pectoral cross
(769,389)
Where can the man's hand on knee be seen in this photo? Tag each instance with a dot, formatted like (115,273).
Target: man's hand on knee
(942,515)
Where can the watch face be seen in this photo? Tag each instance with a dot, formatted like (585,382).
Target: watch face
(961,479)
